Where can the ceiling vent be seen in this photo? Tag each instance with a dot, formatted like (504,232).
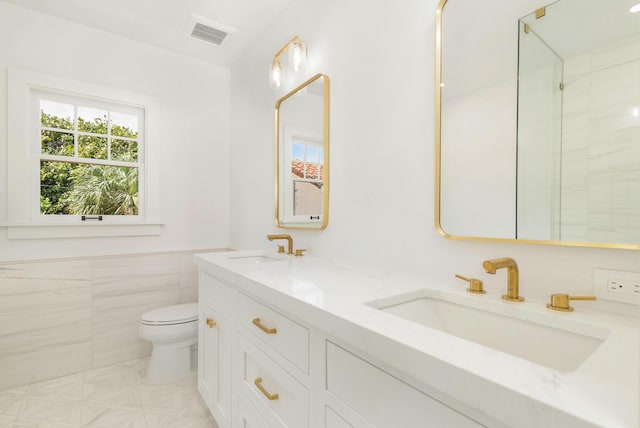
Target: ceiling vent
(207,31)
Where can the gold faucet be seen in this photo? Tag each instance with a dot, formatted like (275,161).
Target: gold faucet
(283,236)
(512,276)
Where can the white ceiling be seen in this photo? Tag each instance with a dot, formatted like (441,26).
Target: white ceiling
(163,23)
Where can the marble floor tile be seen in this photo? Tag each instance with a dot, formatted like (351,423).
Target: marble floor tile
(10,403)
(7,421)
(108,397)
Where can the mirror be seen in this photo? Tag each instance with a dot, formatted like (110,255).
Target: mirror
(538,122)
(302,156)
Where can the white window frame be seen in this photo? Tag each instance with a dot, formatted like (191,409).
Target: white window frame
(25,220)
(311,138)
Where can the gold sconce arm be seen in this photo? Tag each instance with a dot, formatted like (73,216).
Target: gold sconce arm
(284,48)
(297,61)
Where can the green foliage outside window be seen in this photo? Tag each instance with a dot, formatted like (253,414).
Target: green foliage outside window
(69,188)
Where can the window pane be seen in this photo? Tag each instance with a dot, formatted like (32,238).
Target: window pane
(56,183)
(77,189)
(124,150)
(297,168)
(56,115)
(297,151)
(313,154)
(307,198)
(56,143)
(92,147)
(124,125)
(312,171)
(92,120)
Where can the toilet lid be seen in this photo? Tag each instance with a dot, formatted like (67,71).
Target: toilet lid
(176,314)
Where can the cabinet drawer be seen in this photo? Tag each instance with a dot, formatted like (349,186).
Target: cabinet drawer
(282,400)
(332,420)
(216,294)
(248,417)
(382,399)
(287,337)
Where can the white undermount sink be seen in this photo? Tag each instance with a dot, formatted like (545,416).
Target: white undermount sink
(254,259)
(556,342)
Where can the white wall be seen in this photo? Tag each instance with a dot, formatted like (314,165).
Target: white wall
(380,58)
(194,108)
(478,171)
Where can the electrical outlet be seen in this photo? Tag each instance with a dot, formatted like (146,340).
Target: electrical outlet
(617,285)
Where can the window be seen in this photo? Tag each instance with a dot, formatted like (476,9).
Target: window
(81,158)
(90,156)
(307,176)
(304,151)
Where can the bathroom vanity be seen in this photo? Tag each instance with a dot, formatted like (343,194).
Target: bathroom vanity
(312,342)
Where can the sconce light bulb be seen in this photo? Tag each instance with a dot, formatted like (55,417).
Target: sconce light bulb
(297,56)
(276,74)
(635,8)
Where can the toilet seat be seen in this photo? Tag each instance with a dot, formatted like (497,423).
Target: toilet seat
(171,315)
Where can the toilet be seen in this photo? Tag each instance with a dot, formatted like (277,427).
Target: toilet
(173,331)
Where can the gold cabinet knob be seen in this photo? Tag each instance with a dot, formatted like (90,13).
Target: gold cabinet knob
(560,302)
(475,285)
(299,253)
(210,322)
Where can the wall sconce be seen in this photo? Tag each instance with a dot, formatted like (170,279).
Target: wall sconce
(297,61)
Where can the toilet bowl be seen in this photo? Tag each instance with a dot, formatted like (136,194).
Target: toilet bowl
(173,331)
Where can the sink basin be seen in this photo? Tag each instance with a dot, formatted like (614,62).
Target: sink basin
(560,344)
(255,259)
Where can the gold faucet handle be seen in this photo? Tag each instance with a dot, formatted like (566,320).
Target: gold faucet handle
(475,285)
(560,302)
(299,252)
(281,248)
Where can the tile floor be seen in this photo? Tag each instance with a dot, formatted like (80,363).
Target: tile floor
(109,397)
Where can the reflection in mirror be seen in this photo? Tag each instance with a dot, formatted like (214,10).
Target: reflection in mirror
(538,126)
(302,156)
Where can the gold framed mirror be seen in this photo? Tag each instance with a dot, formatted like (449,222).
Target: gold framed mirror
(538,122)
(302,156)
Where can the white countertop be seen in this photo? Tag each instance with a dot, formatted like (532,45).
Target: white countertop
(330,295)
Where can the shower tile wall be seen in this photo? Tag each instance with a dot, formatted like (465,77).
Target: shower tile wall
(59,317)
(601,145)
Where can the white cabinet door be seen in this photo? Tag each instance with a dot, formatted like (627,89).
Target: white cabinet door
(214,364)
(383,400)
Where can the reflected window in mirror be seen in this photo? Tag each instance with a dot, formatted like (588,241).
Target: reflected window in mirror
(302,145)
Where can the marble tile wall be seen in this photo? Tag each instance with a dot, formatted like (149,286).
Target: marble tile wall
(59,317)
(601,145)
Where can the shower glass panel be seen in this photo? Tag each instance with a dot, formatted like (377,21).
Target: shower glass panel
(539,136)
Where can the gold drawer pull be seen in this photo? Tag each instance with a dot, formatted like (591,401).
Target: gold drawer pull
(261,326)
(210,322)
(266,393)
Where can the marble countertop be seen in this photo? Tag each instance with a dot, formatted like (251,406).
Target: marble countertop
(494,387)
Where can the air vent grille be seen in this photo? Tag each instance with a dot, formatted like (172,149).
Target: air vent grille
(208,34)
